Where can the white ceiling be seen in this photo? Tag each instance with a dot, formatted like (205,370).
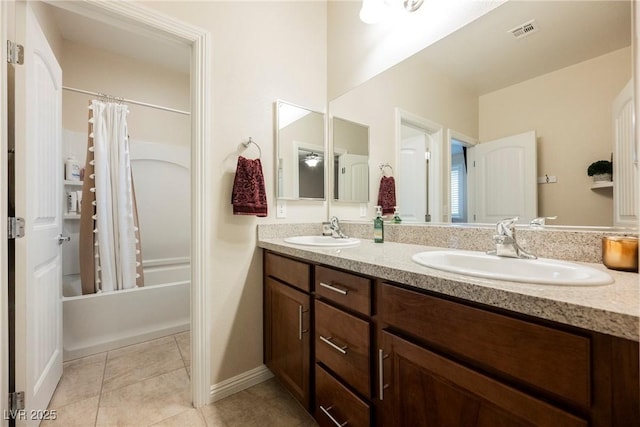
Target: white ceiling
(485,56)
(131,41)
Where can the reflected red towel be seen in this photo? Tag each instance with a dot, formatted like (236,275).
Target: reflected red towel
(387,194)
(248,196)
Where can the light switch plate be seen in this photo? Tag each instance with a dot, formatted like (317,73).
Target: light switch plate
(363,210)
(281,209)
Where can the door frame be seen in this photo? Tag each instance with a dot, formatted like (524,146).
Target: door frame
(5,7)
(470,142)
(158,24)
(437,207)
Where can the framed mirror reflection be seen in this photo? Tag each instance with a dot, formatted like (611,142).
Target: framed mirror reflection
(350,150)
(488,83)
(300,148)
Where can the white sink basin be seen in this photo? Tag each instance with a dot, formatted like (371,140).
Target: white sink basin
(324,241)
(541,270)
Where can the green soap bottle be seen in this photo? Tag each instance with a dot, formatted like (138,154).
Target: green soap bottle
(378,226)
(396,216)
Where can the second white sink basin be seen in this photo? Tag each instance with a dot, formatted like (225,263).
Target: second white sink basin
(326,241)
(541,270)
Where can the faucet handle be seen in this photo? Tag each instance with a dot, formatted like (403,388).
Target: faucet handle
(506,226)
(540,221)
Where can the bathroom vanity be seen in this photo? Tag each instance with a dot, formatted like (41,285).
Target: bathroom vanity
(365,336)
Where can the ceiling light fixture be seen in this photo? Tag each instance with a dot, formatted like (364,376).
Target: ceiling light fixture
(312,160)
(373,11)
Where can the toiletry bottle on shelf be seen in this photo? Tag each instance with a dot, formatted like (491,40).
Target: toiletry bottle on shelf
(378,226)
(71,169)
(396,216)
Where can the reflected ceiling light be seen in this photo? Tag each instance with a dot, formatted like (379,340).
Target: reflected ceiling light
(373,11)
(312,160)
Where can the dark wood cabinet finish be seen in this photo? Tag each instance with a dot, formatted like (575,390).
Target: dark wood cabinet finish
(342,343)
(415,358)
(287,341)
(348,290)
(337,405)
(426,389)
(544,358)
(287,270)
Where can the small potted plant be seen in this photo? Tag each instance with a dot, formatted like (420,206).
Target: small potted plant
(600,170)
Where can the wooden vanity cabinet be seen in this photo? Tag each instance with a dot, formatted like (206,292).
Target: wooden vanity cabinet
(365,352)
(343,348)
(287,324)
(447,363)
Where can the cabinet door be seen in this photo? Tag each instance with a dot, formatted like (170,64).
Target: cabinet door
(287,339)
(422,388)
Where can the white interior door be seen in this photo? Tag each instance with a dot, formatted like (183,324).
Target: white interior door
(38,305)
(625,161)
(412,179)
(502,179)
(353,181)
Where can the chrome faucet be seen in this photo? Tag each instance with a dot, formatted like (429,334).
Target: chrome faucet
(505,240)
(334,224)
(541,221)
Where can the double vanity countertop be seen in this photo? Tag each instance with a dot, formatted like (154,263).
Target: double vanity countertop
(610,309)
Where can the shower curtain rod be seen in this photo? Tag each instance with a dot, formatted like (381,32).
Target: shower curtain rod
(129,101)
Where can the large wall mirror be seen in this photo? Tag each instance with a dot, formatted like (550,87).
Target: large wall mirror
(300,145)
(350,161)
(551,70)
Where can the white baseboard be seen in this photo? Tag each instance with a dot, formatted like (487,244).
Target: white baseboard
(239,382)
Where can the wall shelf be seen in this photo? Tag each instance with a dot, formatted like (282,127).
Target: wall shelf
(71,216)
(73,183)
(602,184)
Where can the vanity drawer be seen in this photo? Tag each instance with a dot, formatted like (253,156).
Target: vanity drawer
(336,405)
(294,273)
(343,345)
(348,290)
(544,358)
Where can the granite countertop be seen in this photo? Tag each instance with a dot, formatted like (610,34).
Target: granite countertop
(610,309)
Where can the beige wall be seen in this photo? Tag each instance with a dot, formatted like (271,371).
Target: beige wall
(441,100)
(97,70)
(359,51)
(570,110)
(261,51)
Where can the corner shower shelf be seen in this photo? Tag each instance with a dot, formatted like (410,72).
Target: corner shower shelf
(73,183)
(602,184)
(71,216)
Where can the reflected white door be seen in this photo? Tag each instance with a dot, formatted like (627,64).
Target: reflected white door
(353,178)
(38,304)
(625,160)
(412,179)
(502,179)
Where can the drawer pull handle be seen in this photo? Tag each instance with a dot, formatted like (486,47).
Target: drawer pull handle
(381,384)
(339,349)
(334,288)
(300,330)
(336,422)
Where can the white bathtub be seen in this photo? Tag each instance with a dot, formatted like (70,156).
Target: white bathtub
(100,322)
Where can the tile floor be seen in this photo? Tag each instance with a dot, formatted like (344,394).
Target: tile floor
(147,384)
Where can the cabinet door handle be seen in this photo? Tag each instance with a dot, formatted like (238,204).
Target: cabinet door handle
(381,384)
(337,348)
(334,288)
(336,422)
(300,330)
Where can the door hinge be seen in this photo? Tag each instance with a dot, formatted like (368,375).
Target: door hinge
(15,53)
(15,227)
(16,401)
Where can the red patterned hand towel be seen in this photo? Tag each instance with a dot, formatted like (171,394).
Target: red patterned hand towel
(248,196)
(387,194)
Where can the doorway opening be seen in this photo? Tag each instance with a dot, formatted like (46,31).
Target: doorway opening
(139,21)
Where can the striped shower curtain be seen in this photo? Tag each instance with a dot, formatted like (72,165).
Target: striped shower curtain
(110,251)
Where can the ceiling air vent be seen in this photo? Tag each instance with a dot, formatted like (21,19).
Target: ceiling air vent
(525,29)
